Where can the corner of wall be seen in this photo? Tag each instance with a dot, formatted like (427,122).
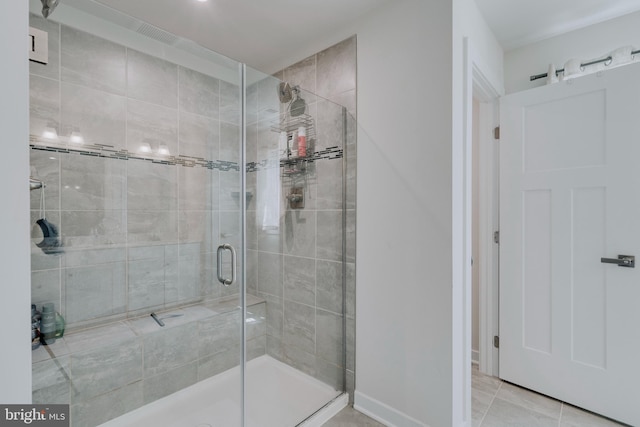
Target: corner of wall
(15,358)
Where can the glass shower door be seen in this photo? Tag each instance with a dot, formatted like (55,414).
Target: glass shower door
(295,323)
(136,136)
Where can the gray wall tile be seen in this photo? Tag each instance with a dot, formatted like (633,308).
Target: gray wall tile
(86,257)
(275,315)
(95,291)
(337,68)
(229,190)
(198,93)
(92,61)
(329,239)
(229,142)
(92,183)
(329,337)
(256,347)
(329,285)
(218,334)
(190,278)
(169,382)
(95,339)
(270,274)
(198,226)
(107,406)
(51,376)
(44,105)
(99,116)
(151,124)
(299,326)
(299,359)
(146,283)
(45,166)
(93,228)
(300,279)
(146,252)
(300,233)
(329,373)
(106,369)
(302,74)
(252,272)
(256,321)
(329,187)
(152,187)
(199,136)
(329,123)
(229,103)
(212,365)
(45,287)
(152,79)
(170,348)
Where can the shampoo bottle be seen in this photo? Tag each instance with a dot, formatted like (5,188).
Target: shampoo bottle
(48,324)
(302,142)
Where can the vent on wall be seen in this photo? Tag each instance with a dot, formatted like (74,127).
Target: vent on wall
(156,34)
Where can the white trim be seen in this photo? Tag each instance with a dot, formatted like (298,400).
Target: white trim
(475,357)
(467,245)
(383,413)
(488,250)
(487,92)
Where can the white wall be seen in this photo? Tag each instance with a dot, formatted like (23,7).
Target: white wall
(404,244)
(411,354)
(587,43)
(15,279)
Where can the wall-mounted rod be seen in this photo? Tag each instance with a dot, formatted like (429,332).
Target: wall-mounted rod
(606,60)
(35,184)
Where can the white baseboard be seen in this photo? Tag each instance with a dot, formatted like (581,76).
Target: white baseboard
(383,413)
(475,357)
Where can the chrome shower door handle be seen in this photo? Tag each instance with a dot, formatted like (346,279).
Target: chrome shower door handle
(221,279)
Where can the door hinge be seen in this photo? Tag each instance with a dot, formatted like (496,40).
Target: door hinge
(496,341)
(496,237)
(496,132)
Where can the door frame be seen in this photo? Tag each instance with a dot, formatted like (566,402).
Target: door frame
(481,84)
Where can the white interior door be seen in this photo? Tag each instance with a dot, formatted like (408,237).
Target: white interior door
(570,195)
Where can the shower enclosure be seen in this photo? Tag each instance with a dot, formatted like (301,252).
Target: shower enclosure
(196,242)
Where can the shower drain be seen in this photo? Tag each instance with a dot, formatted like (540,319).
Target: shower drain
(204,425)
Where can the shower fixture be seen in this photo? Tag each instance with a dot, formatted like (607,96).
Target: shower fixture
(35,184)
(48,6)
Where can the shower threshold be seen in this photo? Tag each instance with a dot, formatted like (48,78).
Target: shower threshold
(277,395)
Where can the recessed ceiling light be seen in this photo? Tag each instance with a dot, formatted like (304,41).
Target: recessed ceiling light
(203,1)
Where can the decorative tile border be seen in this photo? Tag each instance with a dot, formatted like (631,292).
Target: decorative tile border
(111,152)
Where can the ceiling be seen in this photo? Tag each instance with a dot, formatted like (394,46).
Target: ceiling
(265,33)
(260,33)
(519,22)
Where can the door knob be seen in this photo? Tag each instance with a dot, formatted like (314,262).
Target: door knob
(621,261)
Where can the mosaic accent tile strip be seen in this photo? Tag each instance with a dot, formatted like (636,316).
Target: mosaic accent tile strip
(111,152)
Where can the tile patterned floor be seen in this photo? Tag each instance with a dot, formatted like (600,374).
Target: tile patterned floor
(349,417)
(496,403)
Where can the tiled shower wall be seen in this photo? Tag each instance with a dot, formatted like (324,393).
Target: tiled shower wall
(298,269)
(138,236)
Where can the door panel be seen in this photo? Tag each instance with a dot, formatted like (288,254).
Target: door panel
(570,194)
